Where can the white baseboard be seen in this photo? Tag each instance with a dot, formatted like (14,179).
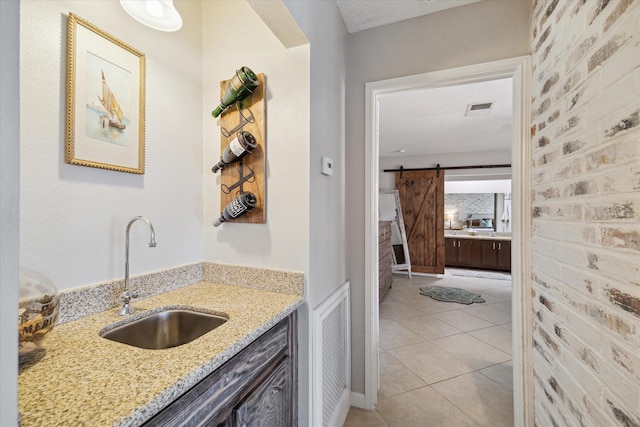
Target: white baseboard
(357,400)
(341,412)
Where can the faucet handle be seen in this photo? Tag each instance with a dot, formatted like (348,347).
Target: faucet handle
(128,296)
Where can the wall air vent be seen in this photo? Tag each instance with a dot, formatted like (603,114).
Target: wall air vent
(479,109)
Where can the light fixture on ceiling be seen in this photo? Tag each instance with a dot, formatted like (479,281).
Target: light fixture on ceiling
(402,150)
(158,14)
(479,109)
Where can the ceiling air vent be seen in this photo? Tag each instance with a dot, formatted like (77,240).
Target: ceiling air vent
(479,109)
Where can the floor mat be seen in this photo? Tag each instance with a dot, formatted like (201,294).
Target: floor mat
(458,295)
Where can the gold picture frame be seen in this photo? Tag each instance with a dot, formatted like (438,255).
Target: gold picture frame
(105,125)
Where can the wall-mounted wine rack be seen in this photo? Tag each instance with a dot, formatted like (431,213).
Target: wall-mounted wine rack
(248,174)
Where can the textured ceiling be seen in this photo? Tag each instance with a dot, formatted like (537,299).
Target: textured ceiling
(363,14)
(433,121)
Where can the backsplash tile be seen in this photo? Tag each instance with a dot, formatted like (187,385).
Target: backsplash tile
(92,299)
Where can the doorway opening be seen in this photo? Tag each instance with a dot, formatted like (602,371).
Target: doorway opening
(518,69)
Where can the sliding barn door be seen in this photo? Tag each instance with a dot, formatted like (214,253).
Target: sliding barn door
(422,200)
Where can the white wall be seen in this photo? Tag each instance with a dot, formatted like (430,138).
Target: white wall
(73,218)
(283,241)
(9,219)
(477,33)
(324,28)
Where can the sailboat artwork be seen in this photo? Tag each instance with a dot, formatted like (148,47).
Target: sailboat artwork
(105,120)
(110,103)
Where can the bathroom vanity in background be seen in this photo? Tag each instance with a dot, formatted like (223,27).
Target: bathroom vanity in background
(481,251)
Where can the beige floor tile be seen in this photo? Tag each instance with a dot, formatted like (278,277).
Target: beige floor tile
(482,399)
(507,326)
(422,408)
(492,296)
(430,306)
(428,327)
(462,320)
(360,418)
(406,295)
(431,363)
(408,360)
(489,314)
(502,373)
(398,310)
(392,335)
(471,350)
(496,336)
(395,378)
(502,306)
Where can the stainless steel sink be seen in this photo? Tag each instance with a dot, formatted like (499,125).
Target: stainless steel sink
(164,329)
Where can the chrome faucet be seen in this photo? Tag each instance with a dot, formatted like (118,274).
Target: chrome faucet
(126,308)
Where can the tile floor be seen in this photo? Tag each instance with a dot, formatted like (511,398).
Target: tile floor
(443,364)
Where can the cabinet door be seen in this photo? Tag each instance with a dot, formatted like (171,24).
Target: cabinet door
(489,253)
(465,251)
(269,404)
(450,252)
(476,253)
(504,255)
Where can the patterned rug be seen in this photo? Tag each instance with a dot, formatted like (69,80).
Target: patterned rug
(481,274)
(458,295)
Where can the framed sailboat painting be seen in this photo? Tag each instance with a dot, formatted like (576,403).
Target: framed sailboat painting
(105,100)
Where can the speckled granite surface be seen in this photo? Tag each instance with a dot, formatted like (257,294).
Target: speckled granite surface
(84,379)
(87,300)
(288,282)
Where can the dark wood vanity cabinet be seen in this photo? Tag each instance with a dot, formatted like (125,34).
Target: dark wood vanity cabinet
(385,258)
(496,254)
(257,387)
(461,252)
(478,253)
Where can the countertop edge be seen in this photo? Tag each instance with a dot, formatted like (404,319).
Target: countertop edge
(477,237)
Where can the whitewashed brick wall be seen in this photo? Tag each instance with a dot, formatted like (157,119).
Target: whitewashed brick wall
(478,205)
(586,212)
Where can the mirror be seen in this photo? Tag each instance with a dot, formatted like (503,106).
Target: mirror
(477,211)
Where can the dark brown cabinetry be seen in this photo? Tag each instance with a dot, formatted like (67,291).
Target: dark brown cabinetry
(385,259)
(462,252)
(257,387)
(496,254)
(478,253)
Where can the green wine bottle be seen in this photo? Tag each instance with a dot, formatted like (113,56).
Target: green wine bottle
(240,86)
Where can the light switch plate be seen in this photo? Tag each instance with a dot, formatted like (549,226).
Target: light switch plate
(327,166)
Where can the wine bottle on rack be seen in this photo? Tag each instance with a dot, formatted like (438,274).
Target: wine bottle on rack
(243,144)
(240,86)
(242,204)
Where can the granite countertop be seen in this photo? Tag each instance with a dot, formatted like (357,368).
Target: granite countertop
(84,379)
(480,235)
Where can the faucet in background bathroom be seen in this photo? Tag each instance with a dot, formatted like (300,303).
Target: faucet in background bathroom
(126,308)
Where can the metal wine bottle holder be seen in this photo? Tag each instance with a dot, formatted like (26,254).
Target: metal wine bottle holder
(247,174)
